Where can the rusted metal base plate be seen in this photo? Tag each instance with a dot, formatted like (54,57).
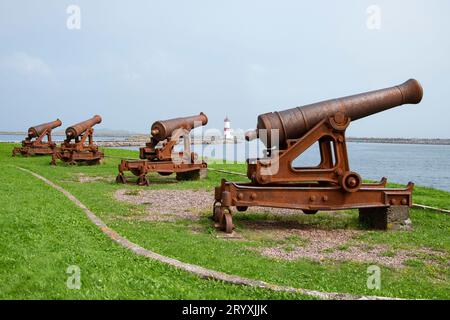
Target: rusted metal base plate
(75,157)
(140,168)
(311,198)
(370,199)
(31,151)
(145,166)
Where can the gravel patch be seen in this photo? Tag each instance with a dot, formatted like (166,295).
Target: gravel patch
(340,245)
(168,205)
(315,244)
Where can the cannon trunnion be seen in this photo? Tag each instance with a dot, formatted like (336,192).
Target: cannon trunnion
(159,156)
(79,147)
(331,185)
(34,143)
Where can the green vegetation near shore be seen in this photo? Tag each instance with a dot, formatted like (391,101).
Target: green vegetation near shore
(43,233)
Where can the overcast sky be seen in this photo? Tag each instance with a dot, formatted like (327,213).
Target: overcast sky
(134,62)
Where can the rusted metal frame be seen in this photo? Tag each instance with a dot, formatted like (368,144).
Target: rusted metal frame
(165,152)
(159,166)
(148,152)
(32,147)
(79,151)
(38,141)
(91,137)
(326,158)
(86,155)
(79,145)
(141,168)
(169,166)
(73,156)
(330,185)
(326,171)
(380,184)
(30,150)
(310,198)
(158,154)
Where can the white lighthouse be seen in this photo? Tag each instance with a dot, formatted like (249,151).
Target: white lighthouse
(227,129)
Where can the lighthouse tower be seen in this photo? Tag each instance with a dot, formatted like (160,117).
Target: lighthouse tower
(227,129)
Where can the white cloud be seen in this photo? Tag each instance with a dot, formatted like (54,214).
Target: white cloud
(25,64)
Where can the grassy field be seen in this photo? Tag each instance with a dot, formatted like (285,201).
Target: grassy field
(43,233)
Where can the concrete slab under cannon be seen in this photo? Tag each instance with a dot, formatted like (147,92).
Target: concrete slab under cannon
(388,218)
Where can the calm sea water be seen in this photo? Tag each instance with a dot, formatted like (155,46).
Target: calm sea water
(426,165)
(19,138)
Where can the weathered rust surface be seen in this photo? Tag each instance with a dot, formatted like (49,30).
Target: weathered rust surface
(295,122)
(34,144)
(164,129)
(159,156)
(78,129)
(79,147)
(331,185)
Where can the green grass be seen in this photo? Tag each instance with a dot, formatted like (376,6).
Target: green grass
(43,233)
(50,233)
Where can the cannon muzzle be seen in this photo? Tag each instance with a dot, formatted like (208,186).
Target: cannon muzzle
(293,123)
(36,131)
(163,129)
(79,128)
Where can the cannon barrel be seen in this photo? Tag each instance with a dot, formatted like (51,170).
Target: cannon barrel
(78,129)
(163,129)
(36,131)
(295,122)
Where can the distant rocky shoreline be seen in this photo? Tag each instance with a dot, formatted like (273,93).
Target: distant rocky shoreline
(139,140)
(401,140)
(128,143)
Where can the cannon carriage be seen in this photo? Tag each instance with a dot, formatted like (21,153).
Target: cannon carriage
(79,146)
(275,180)
(34,143)
(159,155)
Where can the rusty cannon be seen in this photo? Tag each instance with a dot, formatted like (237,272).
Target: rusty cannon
(159,155)
(276,181)
(34,143)
(79,147)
